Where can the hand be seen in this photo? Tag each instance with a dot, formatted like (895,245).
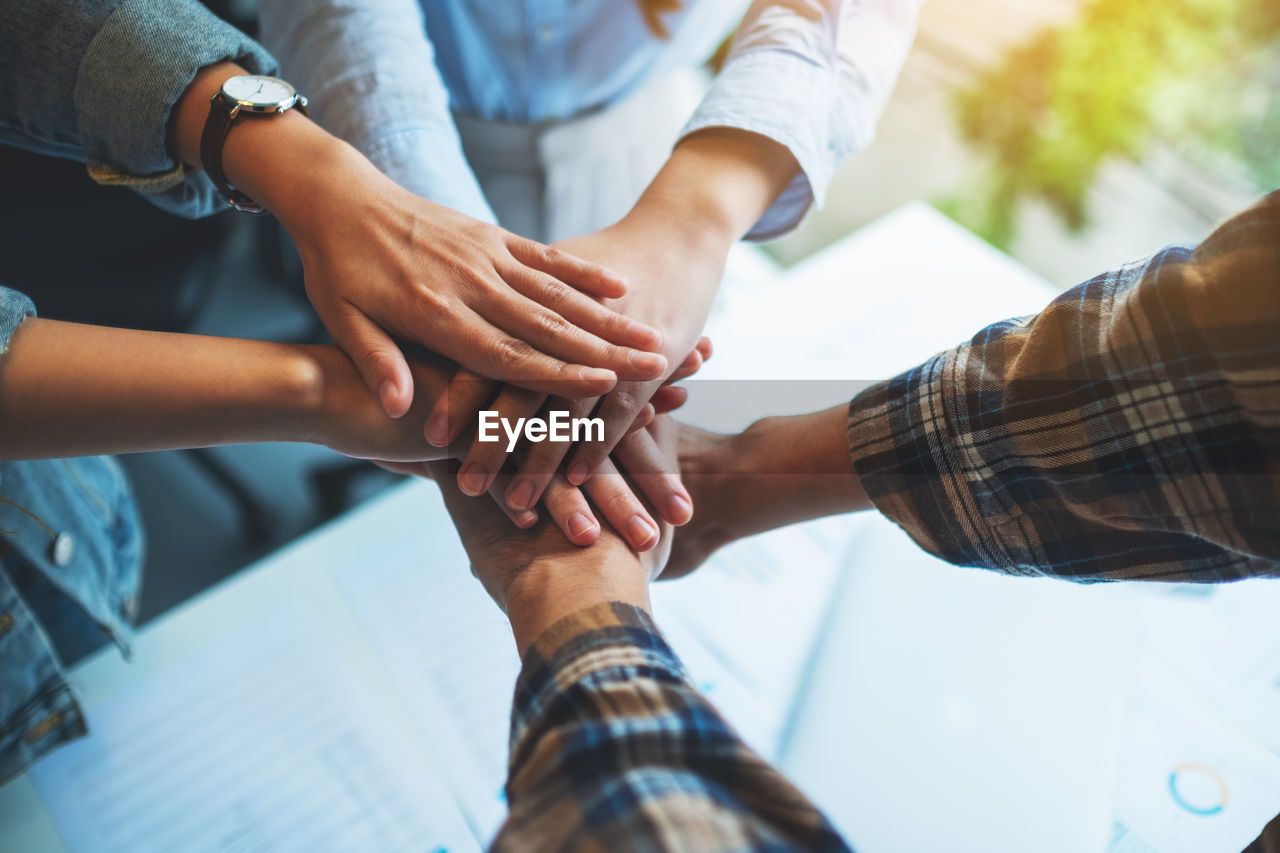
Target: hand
(381,262)
(673,245)
(537,576)
(672,290)
(455,415)
(347,418)
(778,471)
(384,264)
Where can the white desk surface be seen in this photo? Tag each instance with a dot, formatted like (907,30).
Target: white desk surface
(875,303)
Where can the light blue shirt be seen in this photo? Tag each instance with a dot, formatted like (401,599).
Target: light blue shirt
(814,75)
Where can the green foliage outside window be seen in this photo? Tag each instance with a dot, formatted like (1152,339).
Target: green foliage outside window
(1201,77)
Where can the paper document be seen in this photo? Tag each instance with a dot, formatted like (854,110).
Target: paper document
(743,625)
(1190,782)
(757,610)
(264,741)
(449,651)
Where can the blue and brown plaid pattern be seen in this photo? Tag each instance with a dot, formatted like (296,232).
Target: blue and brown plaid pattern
(1130,431)
(613,749)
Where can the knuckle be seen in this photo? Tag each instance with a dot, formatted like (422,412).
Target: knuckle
(551,324)
(555,294)
(622,403)
(510,352)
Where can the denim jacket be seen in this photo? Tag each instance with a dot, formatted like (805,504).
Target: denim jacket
(96,80)
(70,548)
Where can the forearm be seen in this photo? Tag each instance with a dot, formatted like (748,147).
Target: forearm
(814,75)
(73,390)
(553,587)
(715,185)
(780,471)
(286,162)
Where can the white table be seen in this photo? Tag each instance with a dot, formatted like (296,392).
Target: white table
(886,734)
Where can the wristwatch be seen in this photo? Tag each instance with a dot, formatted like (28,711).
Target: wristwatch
(244,94)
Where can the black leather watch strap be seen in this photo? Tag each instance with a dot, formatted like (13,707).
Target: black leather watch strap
(214,136)
(216,128)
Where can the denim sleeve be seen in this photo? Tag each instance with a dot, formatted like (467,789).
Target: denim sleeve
(14,308)
(96,80)
(368,67)
(814,76)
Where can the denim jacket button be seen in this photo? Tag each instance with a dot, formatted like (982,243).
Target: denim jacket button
(64,547)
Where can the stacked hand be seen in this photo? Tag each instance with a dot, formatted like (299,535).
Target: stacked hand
(537,576)
(614,313)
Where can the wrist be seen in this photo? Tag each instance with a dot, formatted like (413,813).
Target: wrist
(339,406)
(551,588)
(717,183)
(277,160)
(296,170)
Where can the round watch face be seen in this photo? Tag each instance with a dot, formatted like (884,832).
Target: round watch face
(256,91)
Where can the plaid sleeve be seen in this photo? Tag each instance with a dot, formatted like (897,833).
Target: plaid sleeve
(612,749)
(1130,431)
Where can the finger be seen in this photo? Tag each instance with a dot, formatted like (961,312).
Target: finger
(692,364)
(646,466)
(582,274)
(456,409)
(488,452)
(693,361)
(379,360)
(523,519)
(617,411)
(582,310)
(558,337)
(644,418)
(465,510)
(497,355)
(704,347)
(610,493)
(668,398)
(542,459)
(570,511)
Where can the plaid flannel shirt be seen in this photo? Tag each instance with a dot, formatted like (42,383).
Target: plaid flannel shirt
(1130,431)
(613,749)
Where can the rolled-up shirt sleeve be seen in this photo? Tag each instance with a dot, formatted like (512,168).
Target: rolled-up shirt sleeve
(1130,431)
(613,749)
(369,68)
(814,76)
(96,81)
(14,308)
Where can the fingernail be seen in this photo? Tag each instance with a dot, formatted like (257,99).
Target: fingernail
(578,473)
(525,520)
(678,507)
(649,362)
(643,335)
(521,496)
(580,525)
(611,277)
(640,531)
(386,396)
(473,479)
(598,375)
(437,429)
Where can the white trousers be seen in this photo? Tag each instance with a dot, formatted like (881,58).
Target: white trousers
(561,179)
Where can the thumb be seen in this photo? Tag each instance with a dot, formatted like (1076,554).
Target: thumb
(380,362)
